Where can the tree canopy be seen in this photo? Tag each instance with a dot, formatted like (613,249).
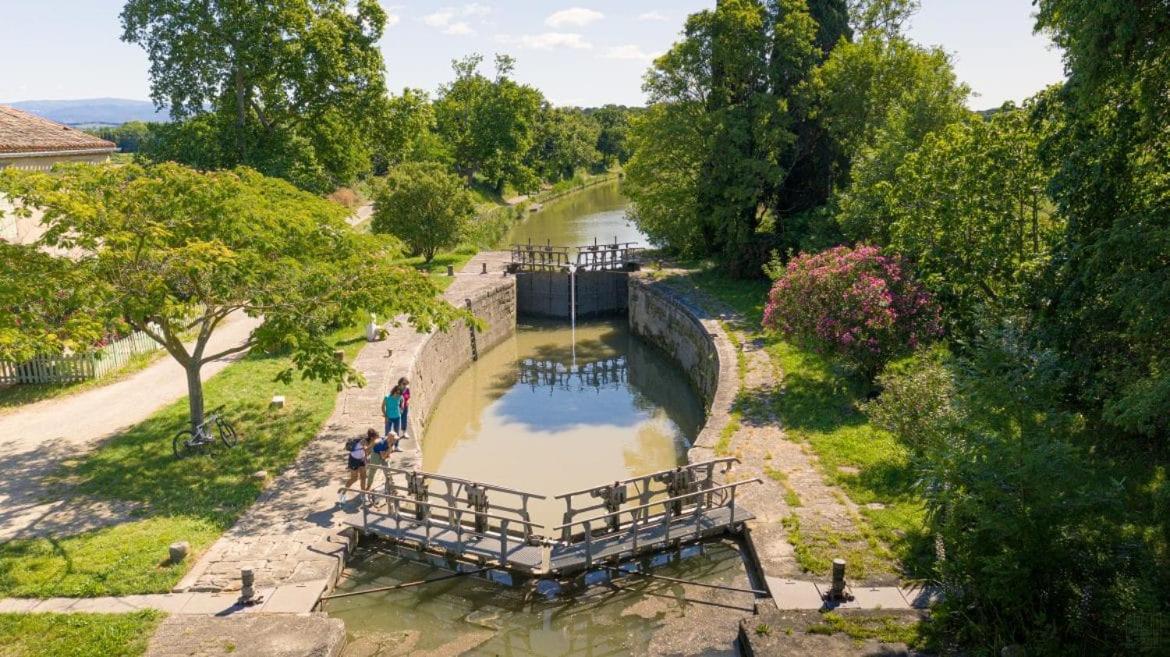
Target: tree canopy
(425,206)
(170,251)
(284,86)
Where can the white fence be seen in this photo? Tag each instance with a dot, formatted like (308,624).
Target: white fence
(70,368)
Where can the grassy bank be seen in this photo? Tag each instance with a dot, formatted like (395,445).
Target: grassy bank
(76,635)
(194,499)
(820,406)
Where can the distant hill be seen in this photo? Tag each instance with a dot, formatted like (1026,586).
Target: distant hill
(92,111)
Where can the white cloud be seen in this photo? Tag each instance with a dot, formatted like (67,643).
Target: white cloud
(546,41)
(392,18)
(445,19)
(627,52)
(652,16)
(440,18)
(458,29)
(475,9)
(574,16)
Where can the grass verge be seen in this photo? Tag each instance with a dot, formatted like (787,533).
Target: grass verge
(194,499)
(820,406)
(74,635)
(887,629)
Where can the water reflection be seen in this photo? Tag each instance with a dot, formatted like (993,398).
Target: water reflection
(574,220)
(529,416)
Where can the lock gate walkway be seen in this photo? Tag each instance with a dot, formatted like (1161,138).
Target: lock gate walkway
(487,525)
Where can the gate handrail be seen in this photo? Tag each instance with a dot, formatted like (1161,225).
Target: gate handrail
(641,507)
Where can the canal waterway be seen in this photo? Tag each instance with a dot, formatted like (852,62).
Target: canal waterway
(553,410)
(597,212)
(548,411)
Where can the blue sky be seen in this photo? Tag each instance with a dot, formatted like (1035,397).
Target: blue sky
(578,52)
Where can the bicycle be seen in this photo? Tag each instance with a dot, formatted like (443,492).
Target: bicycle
(192,441)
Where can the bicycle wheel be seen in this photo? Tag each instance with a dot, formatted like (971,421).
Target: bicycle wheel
(185,443)
(227,433)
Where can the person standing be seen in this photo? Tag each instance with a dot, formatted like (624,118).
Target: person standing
(404,384)
(392,411)
(358,451)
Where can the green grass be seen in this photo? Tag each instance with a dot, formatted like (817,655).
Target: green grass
(14,397)
(436,269)
(193,499)
(888,629)
(820,406)
(76,635)
(119,560)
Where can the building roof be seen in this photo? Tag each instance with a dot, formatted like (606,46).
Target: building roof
(21,132)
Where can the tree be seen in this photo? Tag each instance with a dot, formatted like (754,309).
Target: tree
(968,208)
(407,132)
(613,138)
(748,65)
(281,77)
(566,140)
(670,143)
(489,125)
(881,97)
(1109,313)
(425,206)
(170,251)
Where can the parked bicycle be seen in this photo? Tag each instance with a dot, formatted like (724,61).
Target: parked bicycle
(193,441)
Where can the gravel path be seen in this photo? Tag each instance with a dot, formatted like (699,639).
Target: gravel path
(34,440)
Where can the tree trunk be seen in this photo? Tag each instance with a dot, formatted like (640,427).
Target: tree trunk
(195,392)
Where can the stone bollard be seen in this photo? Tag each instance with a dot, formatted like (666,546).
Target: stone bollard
(838,592)
(338,355)
(178,551)
(484,268)
(277,401)
(248,595)
(450,270)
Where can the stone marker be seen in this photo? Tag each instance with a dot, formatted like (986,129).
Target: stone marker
(260,475)
(179,550)
(277,401)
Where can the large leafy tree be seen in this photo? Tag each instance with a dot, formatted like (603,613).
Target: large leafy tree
(406,132)
(287,81)
(969,209)
(174,252)
(425,206)
(566,140)
(747,66)
(1110,311)
(489,125)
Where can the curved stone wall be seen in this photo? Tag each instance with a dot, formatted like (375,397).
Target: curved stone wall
(696,340)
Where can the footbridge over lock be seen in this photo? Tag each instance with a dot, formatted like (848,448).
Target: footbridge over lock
(485,525)
(573,281)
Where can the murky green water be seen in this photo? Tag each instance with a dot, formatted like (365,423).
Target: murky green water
(548,415)
(474,617)
(598,212)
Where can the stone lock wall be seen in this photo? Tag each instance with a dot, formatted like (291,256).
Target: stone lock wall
(697,342)
(443,355)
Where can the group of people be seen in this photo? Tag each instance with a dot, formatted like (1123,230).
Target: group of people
(374,448)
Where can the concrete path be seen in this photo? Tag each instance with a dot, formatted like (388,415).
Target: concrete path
(287,599)
(362,213)
(36,438)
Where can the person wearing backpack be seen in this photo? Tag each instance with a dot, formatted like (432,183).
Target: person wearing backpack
(357,453)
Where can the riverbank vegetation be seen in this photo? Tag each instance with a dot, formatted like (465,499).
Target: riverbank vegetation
(1020,459)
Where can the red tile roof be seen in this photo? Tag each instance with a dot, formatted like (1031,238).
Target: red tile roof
(21,132)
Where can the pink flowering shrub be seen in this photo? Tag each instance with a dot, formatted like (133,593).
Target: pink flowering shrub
(856,304)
